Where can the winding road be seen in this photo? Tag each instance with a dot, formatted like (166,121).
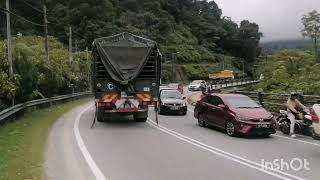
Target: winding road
(177,149)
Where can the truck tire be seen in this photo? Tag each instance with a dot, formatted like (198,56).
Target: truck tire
(99,118)
(140,119)
(136,118)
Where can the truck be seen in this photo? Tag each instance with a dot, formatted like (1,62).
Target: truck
(126,73)
(222,75)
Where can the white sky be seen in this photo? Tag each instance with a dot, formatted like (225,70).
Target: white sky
(278,19)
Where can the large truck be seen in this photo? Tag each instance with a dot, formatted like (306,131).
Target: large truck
(126,73)
(222,75)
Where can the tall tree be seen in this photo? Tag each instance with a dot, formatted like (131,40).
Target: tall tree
(311,23)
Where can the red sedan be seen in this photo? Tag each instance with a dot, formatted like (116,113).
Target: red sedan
(234,113)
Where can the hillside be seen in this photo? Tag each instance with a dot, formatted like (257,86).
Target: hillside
(194,30)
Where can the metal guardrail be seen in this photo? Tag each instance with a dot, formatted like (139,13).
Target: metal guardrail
(19,107)
(225,85)
(276,101)
(233,84)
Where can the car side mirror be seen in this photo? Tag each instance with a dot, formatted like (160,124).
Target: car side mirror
(184,97)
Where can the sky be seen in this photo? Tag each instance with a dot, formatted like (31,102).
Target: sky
(278,19)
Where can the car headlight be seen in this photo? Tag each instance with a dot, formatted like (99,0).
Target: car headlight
(184,104)
(242,118)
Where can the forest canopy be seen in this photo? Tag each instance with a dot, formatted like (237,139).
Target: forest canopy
(196,29)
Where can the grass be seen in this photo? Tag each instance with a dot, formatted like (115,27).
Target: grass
(22,142)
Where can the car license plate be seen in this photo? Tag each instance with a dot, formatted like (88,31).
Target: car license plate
(174,108)
(262,125)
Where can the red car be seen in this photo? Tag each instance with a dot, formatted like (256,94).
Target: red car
(234,113)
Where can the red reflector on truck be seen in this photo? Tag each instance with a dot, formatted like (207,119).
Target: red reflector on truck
(127,110)
(104,104)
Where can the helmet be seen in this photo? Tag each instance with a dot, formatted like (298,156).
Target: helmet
(292,94)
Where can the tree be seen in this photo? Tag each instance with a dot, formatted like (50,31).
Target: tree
(249,37)
(311,23)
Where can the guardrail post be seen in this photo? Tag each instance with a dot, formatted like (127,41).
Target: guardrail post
(301,97)
(260,98)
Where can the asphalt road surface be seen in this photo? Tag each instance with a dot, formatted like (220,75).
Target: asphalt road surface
(176,149)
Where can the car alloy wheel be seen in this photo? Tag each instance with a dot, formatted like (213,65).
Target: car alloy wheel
(201,121)
(230,128)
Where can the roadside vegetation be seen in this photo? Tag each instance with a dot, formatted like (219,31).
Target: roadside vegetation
(22,142)
(190,31)
(291,70)
(36,78)
(295,69)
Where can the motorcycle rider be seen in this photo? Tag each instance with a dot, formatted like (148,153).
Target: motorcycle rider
(203,88)
(294,108)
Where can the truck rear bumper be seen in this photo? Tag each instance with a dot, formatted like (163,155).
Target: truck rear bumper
(113,115)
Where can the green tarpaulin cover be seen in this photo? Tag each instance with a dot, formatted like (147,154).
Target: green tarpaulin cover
(124,55)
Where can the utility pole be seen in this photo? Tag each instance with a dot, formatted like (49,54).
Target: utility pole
(223,62)
(76,46)
(9,39)
(46,32)
(87,56)
(242,70)
(70,45)
(9,45)
(173,62)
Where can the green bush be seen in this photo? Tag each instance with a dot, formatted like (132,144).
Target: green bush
(34,77)
(291,70)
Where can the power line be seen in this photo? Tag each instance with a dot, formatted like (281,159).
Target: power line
(22,18)
(32,6)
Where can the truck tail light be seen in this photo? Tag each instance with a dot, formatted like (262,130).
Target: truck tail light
(104,104)
(314,116)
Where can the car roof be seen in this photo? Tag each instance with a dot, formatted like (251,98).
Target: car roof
(222,96)
(197,80)
(169,90)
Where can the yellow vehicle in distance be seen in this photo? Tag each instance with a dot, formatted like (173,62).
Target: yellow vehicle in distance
(222,75)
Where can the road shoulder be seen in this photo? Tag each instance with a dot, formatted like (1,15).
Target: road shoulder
(63,160)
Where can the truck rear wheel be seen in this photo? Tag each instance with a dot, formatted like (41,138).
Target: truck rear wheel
(140,119)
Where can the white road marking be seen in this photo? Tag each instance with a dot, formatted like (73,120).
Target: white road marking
(91,163)
(298,140)
(227,155)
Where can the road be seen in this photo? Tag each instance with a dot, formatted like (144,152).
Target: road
(177,149)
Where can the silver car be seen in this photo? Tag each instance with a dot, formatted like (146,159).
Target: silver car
(171,101)
(196,85)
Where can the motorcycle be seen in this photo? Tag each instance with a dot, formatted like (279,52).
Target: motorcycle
(302,125)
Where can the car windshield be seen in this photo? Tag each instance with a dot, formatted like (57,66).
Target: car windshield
(170,94)
(242,102)
(196,82)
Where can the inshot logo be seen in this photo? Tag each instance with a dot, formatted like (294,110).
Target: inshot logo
(295,164)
